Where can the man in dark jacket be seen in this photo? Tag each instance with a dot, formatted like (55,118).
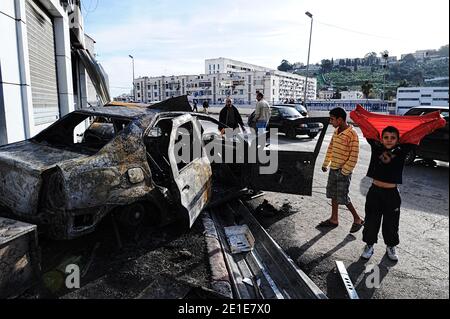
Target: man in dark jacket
(230,117)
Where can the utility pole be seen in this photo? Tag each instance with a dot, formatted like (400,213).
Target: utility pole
(134,85)
(307,64)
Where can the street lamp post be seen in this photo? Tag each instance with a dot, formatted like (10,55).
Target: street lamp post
(134,85)
(309,51)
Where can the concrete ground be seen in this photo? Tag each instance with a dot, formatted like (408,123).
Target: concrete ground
(423,268)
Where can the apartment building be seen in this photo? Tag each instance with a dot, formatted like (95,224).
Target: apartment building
(408,97)
(214,87)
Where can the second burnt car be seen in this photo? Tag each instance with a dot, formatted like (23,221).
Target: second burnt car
(122,159)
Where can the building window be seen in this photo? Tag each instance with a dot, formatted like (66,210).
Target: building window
(156,94)
(440,91)
(426,95)
(167,94)
(408,99)
(409,91)
(441,99)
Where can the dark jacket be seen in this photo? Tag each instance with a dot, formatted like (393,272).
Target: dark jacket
(227,121)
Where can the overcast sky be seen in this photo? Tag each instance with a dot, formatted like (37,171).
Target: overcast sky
(174,37)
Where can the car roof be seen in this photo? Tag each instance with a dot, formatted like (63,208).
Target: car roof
(429,107)
(130,112)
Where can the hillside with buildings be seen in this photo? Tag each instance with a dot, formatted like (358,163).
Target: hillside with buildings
(383,73)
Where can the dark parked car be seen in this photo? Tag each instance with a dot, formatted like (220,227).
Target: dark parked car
(434,146)
(290,122)
(299,107)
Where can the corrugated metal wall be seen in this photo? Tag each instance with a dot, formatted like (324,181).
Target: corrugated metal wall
(41,46)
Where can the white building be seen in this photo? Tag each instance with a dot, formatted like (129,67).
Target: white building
(224,65)
(420,55)
(215,87)
(326,94)
(41,76)
(351,95)
(408,97)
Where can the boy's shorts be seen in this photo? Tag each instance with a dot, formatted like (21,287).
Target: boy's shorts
(338,186)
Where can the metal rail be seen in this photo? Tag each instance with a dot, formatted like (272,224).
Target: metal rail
(266,272)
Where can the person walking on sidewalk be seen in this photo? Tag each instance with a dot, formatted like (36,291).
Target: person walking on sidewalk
(206,106)
(229,117)
(341,158)
(262,113)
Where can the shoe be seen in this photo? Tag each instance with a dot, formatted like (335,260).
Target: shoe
(327,224)
(368,252)
(356,227)
(392,254)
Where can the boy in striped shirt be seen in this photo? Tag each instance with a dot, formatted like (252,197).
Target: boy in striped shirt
(342,156)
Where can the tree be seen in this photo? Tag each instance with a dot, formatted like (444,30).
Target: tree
(403,84)
(409,60)
(337,95)
(285,66)
(367,89)
(326,66)
(371,58)
(443,51)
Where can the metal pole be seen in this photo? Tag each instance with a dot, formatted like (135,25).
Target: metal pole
(134,85)
(307,64)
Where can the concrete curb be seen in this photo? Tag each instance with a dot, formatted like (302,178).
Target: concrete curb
(220,279)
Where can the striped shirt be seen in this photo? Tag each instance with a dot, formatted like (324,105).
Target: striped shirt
(343,151)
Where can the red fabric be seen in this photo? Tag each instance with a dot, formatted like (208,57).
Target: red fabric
(412,128)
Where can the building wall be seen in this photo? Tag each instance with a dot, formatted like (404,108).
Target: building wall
(16,103)
(351,95)
(224,65)
(215,87)
(408,97)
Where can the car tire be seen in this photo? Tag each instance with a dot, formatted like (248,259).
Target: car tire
(132,215)
(291,133)
(410,157)
(312,135)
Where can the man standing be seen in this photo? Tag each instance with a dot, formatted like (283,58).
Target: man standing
(262,113)
(342,156)
(230,117)
(206,106)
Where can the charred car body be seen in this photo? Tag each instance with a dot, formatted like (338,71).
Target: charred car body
(122,160)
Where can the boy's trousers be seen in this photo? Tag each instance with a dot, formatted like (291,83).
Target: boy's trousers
(382,207)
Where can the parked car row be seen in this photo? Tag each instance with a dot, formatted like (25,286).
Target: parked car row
(434,146)
(288,120)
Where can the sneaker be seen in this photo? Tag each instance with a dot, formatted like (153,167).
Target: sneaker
(392,254)
(368,252)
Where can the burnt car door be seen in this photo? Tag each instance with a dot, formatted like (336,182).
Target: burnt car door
(190,166)
(293,171)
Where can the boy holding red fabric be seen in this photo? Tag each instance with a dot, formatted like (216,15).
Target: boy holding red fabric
(386,169)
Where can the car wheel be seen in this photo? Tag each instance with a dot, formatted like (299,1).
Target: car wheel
(410,157)
(132,215)
(291,133)
(312,135)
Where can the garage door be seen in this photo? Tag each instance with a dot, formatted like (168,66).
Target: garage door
(41,46)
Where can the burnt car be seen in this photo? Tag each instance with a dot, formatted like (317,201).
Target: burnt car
(290,122)
(122,160)
(435,145)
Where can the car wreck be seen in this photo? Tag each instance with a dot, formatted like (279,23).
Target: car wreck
(121,159)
